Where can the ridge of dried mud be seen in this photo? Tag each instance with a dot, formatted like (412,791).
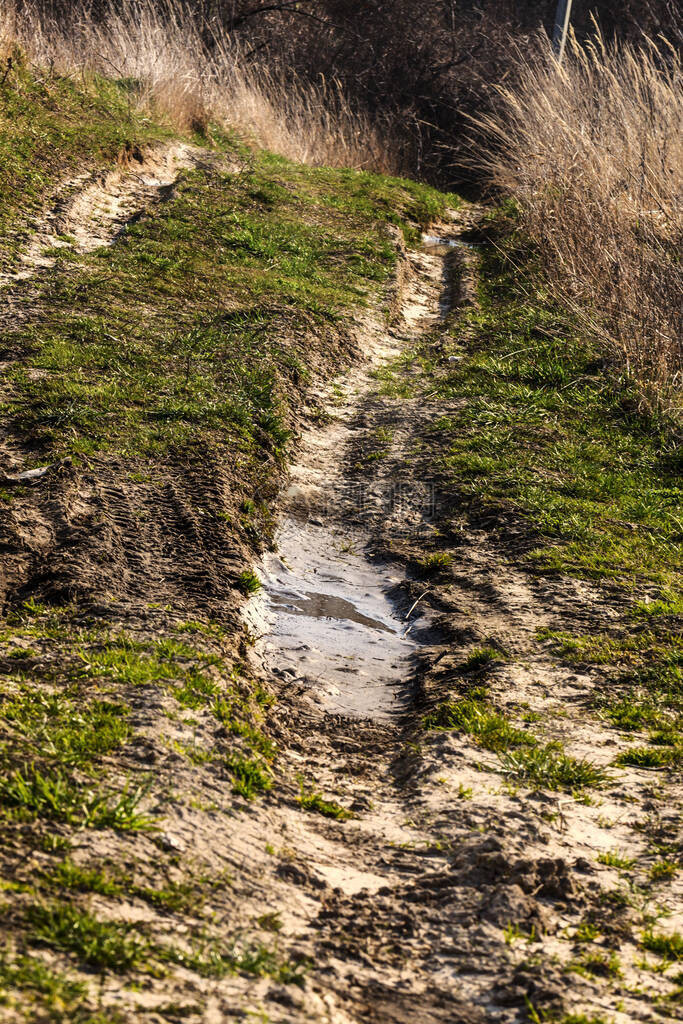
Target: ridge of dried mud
(450,895)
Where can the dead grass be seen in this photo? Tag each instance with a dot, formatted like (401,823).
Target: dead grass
(593,151)
(183,71)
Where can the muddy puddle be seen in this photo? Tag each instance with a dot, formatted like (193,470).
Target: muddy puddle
(439,244)
(325,619)
(436,243)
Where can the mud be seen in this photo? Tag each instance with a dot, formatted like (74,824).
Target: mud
(331,617)
(326,620)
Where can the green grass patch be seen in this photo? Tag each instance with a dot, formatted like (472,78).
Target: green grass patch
(535,429)
(53,736)
(595,964)
(221,299)
(248,582)
(478,718)
(311,800)
(56,796)
(643,687)
(663,870)
(586,931)
(213,960)
(52,126)
(62,726)
(68,875)
(114,946)
(662,608)
(481,657)
(435,564)
(668,946)
(174,897)
(250,776)
(57,994)
(614,859)
(103,945)
(651,757)
(634,649)
(549,767)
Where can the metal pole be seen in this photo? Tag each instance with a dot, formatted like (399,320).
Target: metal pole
(564,10)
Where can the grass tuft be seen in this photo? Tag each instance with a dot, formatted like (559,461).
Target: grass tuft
(56,796)
(106,945)
(613,859)
(651,757)
(249,776)
(595,964)
(478,718)
(663,870)
(550,768)
(435,564)
(212,960)
(58,993)
(481,657)
(248,582)
(313,801)
(668,946)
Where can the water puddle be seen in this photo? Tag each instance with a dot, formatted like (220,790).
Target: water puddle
(439,244)
(324,606)
(325,620)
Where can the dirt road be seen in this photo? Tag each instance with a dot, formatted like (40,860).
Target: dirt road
(443,834)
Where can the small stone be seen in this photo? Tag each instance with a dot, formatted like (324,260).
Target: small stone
(169,842)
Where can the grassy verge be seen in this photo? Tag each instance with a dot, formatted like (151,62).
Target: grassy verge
(537,439)
(531,437)
(202,325)
(69,689)
(52,127)
(193,330)
(641,684)
(65,703)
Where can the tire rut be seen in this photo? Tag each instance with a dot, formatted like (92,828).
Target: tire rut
(446,859)
(93,209)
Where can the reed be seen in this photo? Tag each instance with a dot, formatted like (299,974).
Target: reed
(189,74)
(593,152)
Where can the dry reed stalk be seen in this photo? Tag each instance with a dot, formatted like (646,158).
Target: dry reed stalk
(188,75)
(593,151)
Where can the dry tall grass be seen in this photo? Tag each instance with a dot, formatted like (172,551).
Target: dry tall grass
(593,150)
(189,75)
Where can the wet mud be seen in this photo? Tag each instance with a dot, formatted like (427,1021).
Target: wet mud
(326,618)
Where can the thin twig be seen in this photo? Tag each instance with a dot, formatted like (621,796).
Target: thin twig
(412,607)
